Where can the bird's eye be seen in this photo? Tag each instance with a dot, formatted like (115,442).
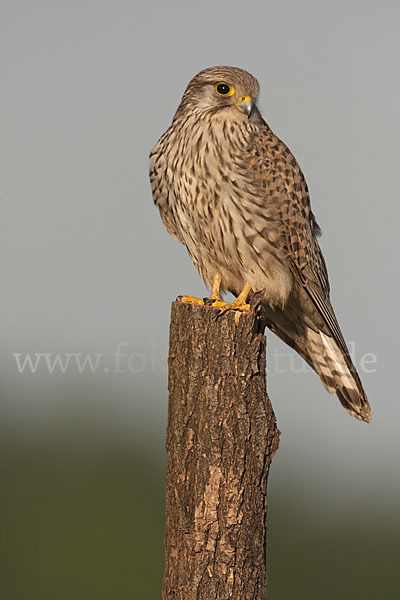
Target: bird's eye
(224,89)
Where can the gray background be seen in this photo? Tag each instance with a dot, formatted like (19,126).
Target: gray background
(87,89)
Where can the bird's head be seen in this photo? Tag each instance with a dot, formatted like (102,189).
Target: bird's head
(221,90)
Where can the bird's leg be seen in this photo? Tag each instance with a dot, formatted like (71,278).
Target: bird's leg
(214,298)
(238,304)
(215,295)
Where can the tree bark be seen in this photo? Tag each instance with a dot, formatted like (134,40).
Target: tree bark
(221,437)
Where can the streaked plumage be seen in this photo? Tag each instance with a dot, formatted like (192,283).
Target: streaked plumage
(233,193)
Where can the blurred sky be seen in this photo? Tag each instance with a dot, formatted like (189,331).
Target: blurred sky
(87,267)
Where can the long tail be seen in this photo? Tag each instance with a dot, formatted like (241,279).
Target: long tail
(338,374)
(332,362)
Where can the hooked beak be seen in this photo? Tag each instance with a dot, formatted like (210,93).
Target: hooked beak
(245,105)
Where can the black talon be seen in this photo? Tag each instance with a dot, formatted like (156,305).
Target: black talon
(219,313)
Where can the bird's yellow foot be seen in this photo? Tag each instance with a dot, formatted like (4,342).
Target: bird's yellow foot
(190,299)
(237,305)
(216,302)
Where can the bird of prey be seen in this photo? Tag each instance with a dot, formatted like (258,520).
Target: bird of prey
(232,192)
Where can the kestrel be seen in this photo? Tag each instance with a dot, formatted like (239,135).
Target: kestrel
(230,190)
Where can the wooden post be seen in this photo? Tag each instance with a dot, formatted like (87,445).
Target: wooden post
(221,437)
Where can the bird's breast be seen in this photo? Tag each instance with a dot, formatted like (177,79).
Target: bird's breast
(216,204)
